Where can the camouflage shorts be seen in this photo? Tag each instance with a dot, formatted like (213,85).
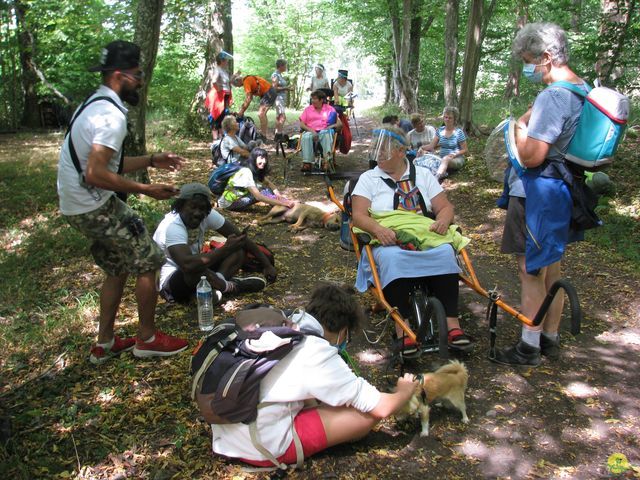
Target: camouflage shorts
(120,241)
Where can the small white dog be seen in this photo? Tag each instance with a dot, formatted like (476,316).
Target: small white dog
(448,383)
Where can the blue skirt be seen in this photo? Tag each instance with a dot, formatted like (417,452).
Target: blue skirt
(393,262)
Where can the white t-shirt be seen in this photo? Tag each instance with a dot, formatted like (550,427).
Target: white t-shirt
(172,231)
(101,123)
(372,187)
(313,369)
(228,144)
(422,138)
(317,83)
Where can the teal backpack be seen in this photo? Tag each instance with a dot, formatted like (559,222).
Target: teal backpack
(601,125)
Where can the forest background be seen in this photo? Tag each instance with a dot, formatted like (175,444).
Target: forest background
(62,418)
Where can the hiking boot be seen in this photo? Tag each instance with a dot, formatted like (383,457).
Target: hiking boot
(520,354)
(162,346)
(549,348)
(248,284)
(100,355)
(306,167)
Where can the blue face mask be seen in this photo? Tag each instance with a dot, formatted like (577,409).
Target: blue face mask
(342,346)
(529,72)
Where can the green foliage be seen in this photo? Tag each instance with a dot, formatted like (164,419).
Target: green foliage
(175,79)
(297,32)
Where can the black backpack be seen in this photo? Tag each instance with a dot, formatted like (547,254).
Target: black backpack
(226,372)
(248,131)
(216,154)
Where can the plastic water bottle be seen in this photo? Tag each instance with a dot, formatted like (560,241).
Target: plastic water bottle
(205,304)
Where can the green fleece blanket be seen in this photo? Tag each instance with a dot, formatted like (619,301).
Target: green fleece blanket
(413,229)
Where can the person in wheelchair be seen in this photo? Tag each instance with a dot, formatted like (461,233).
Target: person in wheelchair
(343,91)
(394,184)
(319,122)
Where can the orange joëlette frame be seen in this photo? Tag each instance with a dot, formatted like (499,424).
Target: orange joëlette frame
(470,279)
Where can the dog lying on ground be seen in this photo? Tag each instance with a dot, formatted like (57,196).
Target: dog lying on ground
(302,216)
(448,383)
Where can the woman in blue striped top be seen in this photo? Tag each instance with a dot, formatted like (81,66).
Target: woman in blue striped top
(452,142)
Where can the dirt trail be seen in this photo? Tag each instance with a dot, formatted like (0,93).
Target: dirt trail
(561,420)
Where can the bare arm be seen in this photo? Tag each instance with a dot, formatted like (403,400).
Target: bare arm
(432,145)
(269,270)
(390,403)
(532,152)
(361,219)
(99,175)
(443,210)
(271,201)
(247,101)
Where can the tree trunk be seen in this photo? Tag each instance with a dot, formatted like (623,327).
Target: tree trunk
(387,85)
(147,37)
(476,28)
(215,42)
(576,15)
(227,30)
(512,89)
(614,26)
(26,45)
(451,52)
(9,81)
(401,45)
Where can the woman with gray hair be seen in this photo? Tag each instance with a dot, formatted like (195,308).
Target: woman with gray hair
(395,187)
(452,143)
(538,223)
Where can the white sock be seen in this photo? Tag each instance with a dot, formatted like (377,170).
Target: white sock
(107,346)
(227,285)
(554,337)
(150,339)
(531,337)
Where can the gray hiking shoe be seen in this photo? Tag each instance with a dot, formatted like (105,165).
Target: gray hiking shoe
(248,284)
(520,354)
(549,348)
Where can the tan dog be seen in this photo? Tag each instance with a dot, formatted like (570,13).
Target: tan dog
(448,383)
(302,216)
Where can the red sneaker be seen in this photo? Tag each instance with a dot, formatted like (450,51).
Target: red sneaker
(100,355)
(162,346)
(406,347)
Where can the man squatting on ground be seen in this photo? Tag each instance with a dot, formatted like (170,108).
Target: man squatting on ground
(120,242)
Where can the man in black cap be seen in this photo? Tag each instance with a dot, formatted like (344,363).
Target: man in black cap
(90,171)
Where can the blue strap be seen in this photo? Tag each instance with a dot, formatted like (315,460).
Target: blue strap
(573,87)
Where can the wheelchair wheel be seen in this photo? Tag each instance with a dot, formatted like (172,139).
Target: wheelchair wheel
(430,322)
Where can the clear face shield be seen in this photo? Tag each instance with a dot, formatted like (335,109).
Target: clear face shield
(384,144)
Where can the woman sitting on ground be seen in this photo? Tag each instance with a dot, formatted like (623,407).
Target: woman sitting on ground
(452,143)
(313,372)
(232,146)
(250,185)
(400,269)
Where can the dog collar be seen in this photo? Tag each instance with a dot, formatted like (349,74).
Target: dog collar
(325,217)
(423,390)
